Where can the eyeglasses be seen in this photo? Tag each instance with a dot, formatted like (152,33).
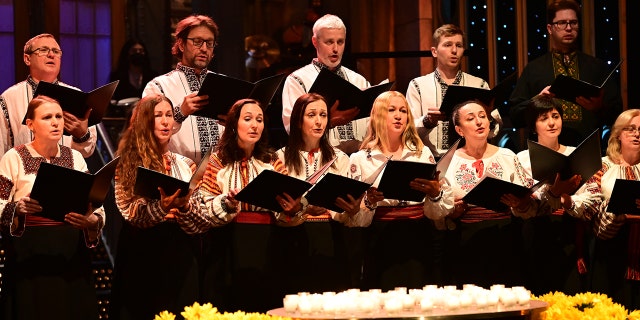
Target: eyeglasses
(562,24)
(44,51)
(197,42)
(631,130)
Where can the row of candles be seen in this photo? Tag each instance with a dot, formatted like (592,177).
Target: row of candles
(427,299)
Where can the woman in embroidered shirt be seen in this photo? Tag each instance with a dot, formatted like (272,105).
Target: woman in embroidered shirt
(485,246)
(243,152)
(395,254)
(157,249)
(47,273)
(314,264)
(616,262)
(552,235)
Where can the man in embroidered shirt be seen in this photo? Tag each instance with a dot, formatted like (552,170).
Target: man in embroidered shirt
(195,40)
(42,55)
(425,93)
(580,119)
(329,37)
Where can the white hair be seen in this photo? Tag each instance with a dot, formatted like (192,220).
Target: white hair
(328,21)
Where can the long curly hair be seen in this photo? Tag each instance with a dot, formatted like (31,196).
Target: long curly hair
(296,141)
(377,134)
(138,145)
(228,149)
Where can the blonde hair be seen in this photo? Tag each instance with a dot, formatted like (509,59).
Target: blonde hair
(328,21)
(614,147)
(377,134)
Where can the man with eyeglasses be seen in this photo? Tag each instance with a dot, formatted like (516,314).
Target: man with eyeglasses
(581,118)
(196,37)
(42,55)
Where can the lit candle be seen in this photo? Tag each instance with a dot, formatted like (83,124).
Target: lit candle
(290,303)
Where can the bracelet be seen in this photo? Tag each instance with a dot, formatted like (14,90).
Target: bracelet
(368,204)
(178,116)
(223,204)
(438,197)
(83,138)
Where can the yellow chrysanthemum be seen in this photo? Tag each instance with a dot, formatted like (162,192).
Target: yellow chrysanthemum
(583,306)
(165,315)
(199,312)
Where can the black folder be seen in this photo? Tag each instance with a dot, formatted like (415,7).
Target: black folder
(623,197)
(148,181)
(567,88)
(264,188)
(489,190)
(332,87)
(394,183)
(61,190)
(457,94)
(331,187)
(78,102)
(224,91)
(585,160)
(397,175)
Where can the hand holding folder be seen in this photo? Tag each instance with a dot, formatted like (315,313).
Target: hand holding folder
(61,190)
(148,181)
(624,197)
(332,87)
(585,160)
(77,102)
(396,178)
(567,88)
(264,188)
(224,91)
(489,191)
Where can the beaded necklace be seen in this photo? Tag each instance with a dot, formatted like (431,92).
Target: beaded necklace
(311,157)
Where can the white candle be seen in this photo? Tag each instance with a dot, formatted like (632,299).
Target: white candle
(290,303)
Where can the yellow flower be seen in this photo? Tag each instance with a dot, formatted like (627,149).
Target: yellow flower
(199,312)
(165,315)
(583,306)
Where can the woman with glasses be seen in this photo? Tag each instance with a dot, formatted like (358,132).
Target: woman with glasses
(47,271)
(616,257)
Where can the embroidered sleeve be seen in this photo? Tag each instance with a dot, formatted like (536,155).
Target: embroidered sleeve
(140,212)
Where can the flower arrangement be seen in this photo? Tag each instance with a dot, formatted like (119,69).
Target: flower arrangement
(208,312)
(584,306)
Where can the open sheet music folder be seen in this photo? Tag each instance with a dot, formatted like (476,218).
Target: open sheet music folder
(332,87)
(623,197)
(148,181)
(331,187)
(397,175)
(77,102)
(489,190)
(264,188)
(61,190)
(585,160)
(569,89)
(224,91)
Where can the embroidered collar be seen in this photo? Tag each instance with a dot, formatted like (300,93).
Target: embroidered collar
(193,78)
(319,65)
(567,58)
(32,82)
(456,81)
(443,85)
